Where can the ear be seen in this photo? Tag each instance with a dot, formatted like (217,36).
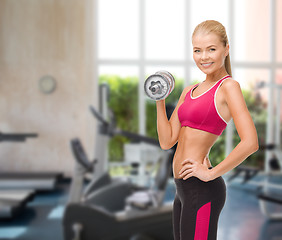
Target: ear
(226,50)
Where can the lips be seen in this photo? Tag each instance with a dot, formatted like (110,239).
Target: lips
(206,65)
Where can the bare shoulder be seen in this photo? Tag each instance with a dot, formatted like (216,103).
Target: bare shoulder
(238,110)
(231,88)
(230,84)
(233,96)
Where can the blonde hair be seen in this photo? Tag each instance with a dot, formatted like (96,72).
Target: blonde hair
(212,26)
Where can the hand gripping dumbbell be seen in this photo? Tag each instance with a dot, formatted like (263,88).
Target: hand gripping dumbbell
(159,85)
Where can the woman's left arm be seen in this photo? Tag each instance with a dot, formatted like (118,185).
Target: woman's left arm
(244,125)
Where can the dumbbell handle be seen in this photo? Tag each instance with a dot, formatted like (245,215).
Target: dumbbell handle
(155,88)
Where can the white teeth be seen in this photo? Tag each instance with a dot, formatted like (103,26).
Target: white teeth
(206,64)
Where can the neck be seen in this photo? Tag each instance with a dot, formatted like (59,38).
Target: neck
(215,76)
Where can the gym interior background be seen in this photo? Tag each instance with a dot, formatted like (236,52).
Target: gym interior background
(78,44)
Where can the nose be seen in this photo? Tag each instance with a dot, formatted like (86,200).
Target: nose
(204,55)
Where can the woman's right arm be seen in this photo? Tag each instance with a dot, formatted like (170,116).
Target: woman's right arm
(168,131)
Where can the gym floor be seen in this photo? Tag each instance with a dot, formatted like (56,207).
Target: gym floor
(241,218)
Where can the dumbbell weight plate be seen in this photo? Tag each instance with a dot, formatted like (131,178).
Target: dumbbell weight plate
(169,77)
(159,85)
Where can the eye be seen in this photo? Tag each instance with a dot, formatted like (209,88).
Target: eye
(212,49)
(196,51)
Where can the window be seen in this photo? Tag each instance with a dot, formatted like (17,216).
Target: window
(279,31)
(118,34)
(136,38)
(164,30)
(252,31)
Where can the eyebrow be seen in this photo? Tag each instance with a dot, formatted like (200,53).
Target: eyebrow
(207,47)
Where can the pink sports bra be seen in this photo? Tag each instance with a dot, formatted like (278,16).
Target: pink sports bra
(200,112)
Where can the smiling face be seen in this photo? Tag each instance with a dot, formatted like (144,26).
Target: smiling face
(209,52)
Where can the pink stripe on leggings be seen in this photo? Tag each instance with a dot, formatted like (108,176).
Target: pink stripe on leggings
(202,222)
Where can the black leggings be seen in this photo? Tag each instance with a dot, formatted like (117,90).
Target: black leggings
(196,208)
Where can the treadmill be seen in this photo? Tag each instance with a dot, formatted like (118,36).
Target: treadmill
(11,202)
(39,181)
(17,188)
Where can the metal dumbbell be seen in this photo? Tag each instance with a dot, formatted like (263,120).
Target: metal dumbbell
(159,85)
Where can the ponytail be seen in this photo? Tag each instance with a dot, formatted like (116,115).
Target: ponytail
(227,65)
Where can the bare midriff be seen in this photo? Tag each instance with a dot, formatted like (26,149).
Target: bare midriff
(194,144)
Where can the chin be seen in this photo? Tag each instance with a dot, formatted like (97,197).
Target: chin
(207,71)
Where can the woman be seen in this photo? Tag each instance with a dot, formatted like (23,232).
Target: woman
(202,113)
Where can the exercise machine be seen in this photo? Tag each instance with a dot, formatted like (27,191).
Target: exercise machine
(116,208)
(106,128)
(84,165)
(248,173)
(271,192)
(11,201)
(39,181)
(121,211)
(17,188)
(269,189)
(132,210)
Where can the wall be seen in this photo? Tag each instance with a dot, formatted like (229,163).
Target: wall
(37,38)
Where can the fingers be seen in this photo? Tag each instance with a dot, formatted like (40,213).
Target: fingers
(189,168)
(185,173)
(188,176)
(185,167)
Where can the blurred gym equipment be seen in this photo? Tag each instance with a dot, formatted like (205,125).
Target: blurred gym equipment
(269,189)
(17,188)
(116,208)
